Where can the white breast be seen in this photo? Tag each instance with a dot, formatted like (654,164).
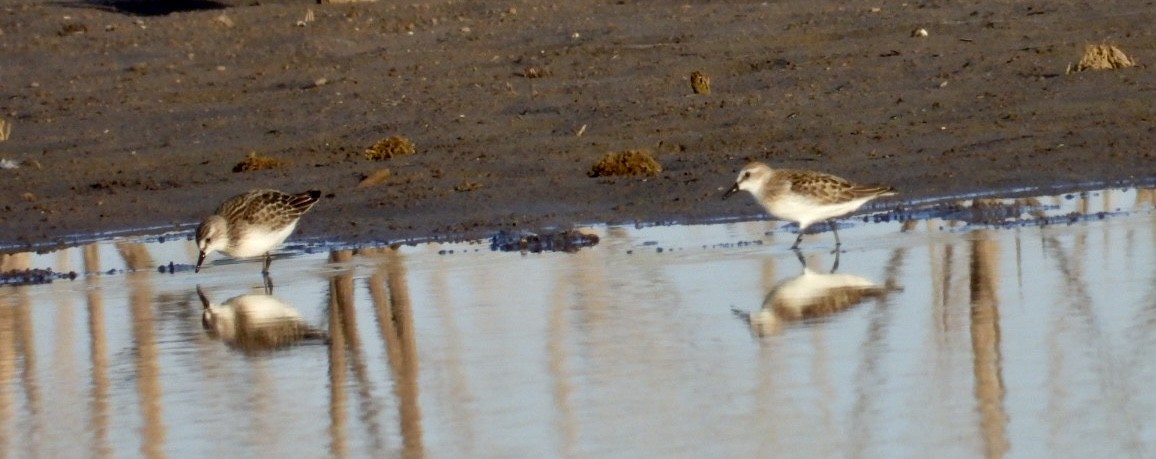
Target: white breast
(258,242)
(807,211)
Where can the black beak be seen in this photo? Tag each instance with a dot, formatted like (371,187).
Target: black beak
(733,190)
(200,259)
(201,295)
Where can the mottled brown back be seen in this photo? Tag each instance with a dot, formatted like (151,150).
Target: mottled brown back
(271,209)
(827,188)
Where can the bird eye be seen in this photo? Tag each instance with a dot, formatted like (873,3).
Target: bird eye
(208,240)
(747,175)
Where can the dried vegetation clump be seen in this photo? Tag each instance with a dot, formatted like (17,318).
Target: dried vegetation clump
(699,82)
(1104,57)
(627,163)
(390,147)
(259,162)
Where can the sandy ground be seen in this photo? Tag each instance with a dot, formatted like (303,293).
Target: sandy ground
(130,116)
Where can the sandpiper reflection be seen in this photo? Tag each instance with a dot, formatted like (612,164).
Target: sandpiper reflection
(810,295)
(256,322)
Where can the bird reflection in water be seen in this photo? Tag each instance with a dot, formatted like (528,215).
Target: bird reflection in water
(256,323)
(809,296)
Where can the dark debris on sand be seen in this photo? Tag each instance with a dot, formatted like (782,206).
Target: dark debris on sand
(524,241)
(34,277)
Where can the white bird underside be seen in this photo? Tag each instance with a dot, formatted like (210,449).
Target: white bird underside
(258,242)
(807,211)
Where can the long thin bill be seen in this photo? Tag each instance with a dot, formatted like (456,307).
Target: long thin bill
(200,259)
(734,189)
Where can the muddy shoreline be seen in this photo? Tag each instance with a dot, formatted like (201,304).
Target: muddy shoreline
(129,118)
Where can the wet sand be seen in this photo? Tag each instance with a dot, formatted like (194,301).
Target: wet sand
(130,116)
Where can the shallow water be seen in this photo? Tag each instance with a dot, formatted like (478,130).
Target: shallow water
(1028,334)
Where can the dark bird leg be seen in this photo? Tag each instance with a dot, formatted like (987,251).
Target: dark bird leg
(268,283)
(798,240)
(268,260)
(835,230)
(835,265)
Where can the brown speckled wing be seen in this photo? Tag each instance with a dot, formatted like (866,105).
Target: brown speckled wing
(829,189)
(268,208)
(823,188)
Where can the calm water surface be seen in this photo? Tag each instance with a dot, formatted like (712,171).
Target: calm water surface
(938,337)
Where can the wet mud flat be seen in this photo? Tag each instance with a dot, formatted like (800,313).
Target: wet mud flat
(134,116)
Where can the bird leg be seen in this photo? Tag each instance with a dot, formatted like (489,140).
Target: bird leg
(268,283)
(798,240)
(268,260)
(835,265)
(799,255)
(835,230)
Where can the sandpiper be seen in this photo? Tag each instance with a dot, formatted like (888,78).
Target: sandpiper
(811,295)
(803,196)
(253,223)
(256,323)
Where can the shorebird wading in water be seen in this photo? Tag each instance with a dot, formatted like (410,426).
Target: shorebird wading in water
(804,197)
(253,223)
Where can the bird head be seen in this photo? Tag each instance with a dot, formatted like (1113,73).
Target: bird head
(751,178)
(212,235)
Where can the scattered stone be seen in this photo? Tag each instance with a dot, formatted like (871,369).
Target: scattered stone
(224,20)
(535,72)
(467,186)
(375,178)
(919,33)
(72,28)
